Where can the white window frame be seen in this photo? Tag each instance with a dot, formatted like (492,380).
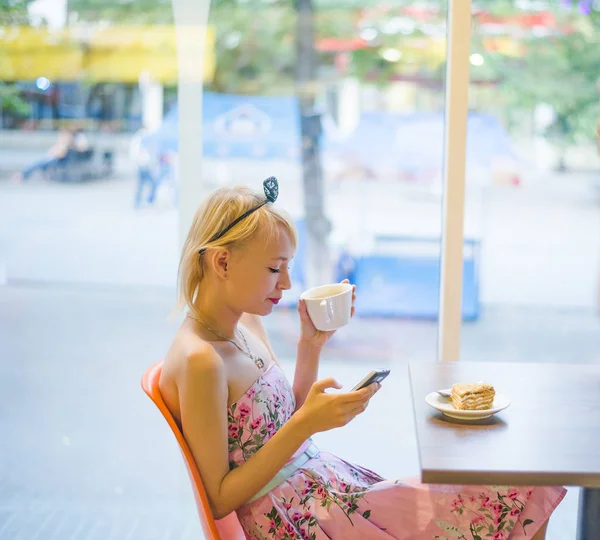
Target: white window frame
(191,19)
(455,151)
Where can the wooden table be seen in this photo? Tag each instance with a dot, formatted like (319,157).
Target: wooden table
(550,434)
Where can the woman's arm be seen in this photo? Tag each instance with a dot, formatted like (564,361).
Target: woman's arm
(203,396)
(310,345)
(307,370)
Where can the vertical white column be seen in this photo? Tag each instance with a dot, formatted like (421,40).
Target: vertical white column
(152,95)
(191,18)
(349,106)
(455,145)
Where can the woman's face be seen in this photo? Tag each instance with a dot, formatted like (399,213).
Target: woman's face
(259,273)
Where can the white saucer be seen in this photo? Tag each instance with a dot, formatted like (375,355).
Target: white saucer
(444,405)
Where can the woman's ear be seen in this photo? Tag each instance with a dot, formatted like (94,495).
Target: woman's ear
(220,262)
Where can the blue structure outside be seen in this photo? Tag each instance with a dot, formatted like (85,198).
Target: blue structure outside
(398,284)
(250,127)
(259,127)
(401,286)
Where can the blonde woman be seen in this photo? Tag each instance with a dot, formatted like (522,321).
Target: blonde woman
(249,429)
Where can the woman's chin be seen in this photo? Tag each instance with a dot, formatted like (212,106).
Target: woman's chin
(268,308)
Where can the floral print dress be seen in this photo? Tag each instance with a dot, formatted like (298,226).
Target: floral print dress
(331,498)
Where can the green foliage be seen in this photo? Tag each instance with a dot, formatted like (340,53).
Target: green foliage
(10,101)
(123,11)
(12,12)
(560,70)
(255,47)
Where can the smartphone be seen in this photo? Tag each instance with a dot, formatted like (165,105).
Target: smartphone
(376,375)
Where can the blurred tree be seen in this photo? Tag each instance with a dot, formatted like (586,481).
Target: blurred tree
(256,52)
(560,68)
(12,12)
(318,226)
(125,11)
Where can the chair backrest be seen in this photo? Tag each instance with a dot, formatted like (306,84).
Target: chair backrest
(229,527)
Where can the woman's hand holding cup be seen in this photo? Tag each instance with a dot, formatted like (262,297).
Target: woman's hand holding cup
(325,309)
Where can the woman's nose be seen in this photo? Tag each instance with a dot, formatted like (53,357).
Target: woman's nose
(285,281)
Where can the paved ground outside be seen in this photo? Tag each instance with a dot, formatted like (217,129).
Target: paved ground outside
(539,243)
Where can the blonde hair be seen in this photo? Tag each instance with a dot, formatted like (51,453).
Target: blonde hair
(219,210)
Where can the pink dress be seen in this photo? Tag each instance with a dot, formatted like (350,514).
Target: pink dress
(331,498)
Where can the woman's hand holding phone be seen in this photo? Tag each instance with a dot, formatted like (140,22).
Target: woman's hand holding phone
(322,411)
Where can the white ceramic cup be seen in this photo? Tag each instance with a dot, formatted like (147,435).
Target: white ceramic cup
(329,306)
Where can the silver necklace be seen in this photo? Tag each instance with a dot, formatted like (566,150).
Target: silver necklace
(260,364)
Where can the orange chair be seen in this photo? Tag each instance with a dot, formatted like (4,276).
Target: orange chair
(229,527)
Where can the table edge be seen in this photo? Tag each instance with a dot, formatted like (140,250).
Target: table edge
(516,478)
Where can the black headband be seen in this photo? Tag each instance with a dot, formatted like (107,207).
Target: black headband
(271,189)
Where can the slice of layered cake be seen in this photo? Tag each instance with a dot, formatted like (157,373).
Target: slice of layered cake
(472,396)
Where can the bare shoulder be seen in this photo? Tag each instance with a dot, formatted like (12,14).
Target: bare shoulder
(198,358)
(202,360)
(190,360)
